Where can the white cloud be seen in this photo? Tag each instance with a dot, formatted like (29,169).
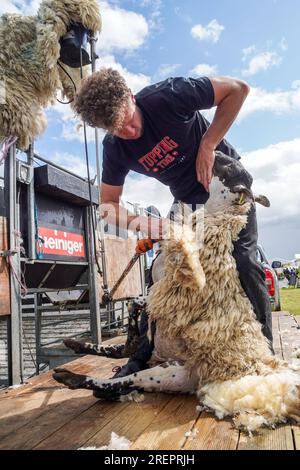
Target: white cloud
(147,191)
(121,29)
(283,45)
(278,102)
(295,84)
(276,173)
(165,71)
(73,163)
(248,51)
(136,81)
(72,130)
(9,6)
(261,62)
(31,8)
(155,18)
(28,7)
(210,32)
(204,69)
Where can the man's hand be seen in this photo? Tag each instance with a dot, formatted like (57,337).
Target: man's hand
(204,165)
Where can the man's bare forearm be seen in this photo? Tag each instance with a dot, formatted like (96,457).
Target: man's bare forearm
(226,112)
(114,214)
(230,95)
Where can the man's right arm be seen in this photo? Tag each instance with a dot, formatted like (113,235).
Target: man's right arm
(113,213)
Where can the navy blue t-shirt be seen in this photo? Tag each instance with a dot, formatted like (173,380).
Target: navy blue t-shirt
(172,131)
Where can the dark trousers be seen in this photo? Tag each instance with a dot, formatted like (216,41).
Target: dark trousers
(252,278)
(252,275)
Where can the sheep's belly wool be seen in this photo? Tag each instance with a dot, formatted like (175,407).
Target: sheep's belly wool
(255,400)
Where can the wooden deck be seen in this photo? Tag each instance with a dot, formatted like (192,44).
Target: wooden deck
(44,415)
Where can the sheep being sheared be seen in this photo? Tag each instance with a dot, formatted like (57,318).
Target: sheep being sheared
(208,340)
(29,72)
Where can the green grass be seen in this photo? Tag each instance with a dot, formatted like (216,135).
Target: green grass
(290,300)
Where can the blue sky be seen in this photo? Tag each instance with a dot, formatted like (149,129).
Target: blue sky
(257,41)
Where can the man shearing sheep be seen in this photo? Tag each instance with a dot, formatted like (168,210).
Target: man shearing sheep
(161,133)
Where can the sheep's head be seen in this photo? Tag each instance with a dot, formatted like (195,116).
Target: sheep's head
(57,20)
(60,14)
(231,185)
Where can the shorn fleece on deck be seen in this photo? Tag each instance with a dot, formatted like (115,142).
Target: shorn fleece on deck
(200,302)
(29,73)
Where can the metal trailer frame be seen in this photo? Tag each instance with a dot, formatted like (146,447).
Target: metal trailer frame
(12,192)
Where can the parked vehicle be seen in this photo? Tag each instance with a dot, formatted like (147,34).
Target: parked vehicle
(271,279)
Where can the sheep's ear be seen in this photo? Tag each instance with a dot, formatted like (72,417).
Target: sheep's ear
(263,200)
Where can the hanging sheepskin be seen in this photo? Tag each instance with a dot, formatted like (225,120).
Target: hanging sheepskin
(29,72)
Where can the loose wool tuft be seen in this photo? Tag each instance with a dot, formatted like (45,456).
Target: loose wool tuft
(200,303)
(29,50)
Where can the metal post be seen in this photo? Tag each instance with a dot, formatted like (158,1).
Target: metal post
(93,284)
(142,259)
(100,227)
(38,329)
(30,204)
(15,363)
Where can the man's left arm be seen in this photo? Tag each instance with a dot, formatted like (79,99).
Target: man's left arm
(230,94)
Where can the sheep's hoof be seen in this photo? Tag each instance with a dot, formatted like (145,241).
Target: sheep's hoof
(76,346)
(71,380)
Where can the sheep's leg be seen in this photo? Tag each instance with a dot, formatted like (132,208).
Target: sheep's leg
(114,351)
(168,377)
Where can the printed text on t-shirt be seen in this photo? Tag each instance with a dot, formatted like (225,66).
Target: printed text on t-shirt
(161,156)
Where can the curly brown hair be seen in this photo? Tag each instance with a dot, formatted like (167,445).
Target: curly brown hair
(102,99)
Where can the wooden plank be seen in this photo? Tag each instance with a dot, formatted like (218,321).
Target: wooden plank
(27,402)
(276,336)
(51,416)
(94,427)
(45,415)
(58,408)
(280,438)
(4,270)
(43,382)
(296,434)
(23,409)
(290,337)
(209,433)
(168,429)
(118,254)
(82,427)
(40,380)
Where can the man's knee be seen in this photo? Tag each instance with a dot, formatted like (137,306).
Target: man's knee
(247,265)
